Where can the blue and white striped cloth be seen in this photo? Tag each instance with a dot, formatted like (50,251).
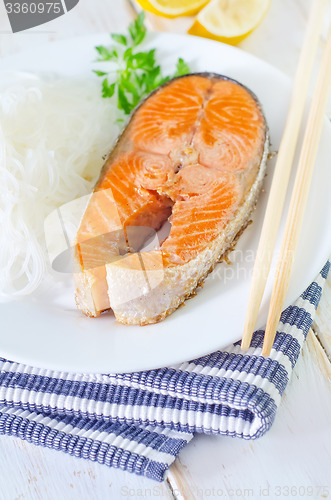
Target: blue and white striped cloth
(139,422)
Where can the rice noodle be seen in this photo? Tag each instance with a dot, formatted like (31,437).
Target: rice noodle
(53,136)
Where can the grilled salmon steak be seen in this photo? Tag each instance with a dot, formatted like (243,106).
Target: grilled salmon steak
(194,153)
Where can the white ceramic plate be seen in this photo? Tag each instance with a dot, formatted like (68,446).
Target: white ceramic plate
(51,333)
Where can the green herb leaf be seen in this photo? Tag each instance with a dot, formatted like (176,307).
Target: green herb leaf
(127,86)
(119,38)
(127,54)
(137,73)
(99,73)
(108,89)
(182,68)
(143,60)
(153,79)
(123,102)
(137,29)
(106,54)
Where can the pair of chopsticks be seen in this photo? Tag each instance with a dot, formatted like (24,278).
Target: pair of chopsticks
(280,182)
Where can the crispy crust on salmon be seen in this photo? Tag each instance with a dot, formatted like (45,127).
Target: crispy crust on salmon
(180,282)
(175,270)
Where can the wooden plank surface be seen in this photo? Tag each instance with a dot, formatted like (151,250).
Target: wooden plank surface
(294,454)
(296,451)
(33,473)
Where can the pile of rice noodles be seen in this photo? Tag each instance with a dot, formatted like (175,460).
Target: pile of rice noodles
(54,134)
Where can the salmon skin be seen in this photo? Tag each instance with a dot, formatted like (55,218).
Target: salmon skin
(194,152)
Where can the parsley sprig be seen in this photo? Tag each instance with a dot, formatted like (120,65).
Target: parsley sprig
(133,74)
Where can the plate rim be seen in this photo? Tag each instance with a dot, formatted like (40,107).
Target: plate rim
(30,358)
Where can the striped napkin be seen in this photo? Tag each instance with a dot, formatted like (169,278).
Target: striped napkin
(139,422)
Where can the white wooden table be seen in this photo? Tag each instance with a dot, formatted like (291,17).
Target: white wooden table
(294,458)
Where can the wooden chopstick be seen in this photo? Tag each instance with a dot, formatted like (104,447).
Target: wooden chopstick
(134,11)
(299,197)
(282,170)
(152,22)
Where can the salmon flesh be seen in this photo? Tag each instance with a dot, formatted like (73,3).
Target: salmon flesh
(194,154)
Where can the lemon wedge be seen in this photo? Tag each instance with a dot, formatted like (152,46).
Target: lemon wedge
(229,21)
(173,8)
